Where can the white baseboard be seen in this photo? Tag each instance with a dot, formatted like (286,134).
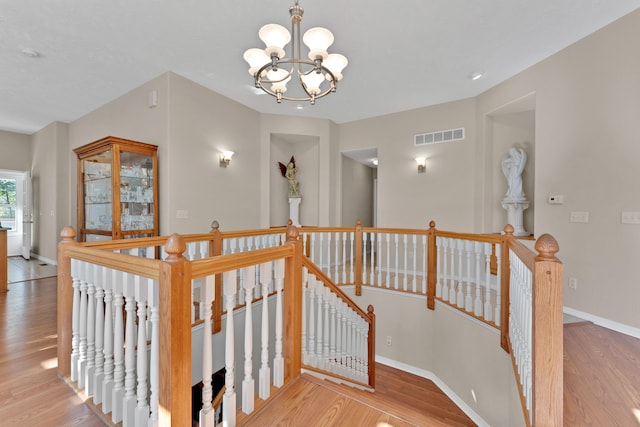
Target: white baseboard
(605,323)
(43,259)
(433,377)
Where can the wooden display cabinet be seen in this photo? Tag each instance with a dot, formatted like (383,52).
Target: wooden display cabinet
(117,189)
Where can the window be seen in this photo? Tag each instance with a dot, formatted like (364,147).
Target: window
(8,203)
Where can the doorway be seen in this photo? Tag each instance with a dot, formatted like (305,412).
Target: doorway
(359,187)
(15,211)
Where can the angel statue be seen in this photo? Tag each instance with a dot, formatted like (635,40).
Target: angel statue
(289,172)
(512,167)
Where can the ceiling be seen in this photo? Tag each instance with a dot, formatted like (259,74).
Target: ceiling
(402,55)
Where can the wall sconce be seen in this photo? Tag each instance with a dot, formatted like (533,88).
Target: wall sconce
(225,158)
(422,164)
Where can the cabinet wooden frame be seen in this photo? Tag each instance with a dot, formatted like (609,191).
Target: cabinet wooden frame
(115,146)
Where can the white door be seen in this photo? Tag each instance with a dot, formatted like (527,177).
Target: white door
(27,217)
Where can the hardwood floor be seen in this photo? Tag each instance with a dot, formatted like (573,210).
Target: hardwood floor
(401,399)
(31,394)
(601,380)
(601,377)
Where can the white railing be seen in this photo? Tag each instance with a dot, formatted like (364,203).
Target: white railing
(335,332)
(117,290)
(114,335)
(465,279)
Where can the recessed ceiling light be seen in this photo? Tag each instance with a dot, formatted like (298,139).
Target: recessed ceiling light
(299,107)
(475,76)
(30,53)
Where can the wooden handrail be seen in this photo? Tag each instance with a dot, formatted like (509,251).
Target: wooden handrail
(175,274)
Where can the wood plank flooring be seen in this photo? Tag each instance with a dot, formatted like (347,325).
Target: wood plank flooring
(31,394)
(400,400)
(601,379)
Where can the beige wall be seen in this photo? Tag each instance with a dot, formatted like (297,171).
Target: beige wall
(461,352)
(203,123)
(15,151)
(408,199)
(586,113)
(50,179)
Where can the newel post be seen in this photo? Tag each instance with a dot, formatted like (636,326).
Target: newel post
(65,302)
(547,338)
(505,271)
(292,334)
(358,261)
(215,249)
(175,335)
(432,265)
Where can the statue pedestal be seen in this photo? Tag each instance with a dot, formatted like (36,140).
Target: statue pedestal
(515,209)
(294,210)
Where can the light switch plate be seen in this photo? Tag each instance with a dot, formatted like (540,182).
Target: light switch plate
(579,217)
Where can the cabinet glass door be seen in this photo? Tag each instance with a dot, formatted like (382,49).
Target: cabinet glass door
(98,196)
(136,193)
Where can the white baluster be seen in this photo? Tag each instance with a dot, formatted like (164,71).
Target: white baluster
(248,384)
(439,270)
(405,273)
(372,267)
(321,249)
(477,310)
(460,293)
(351,258)
(332,331)
(207,293)
(313,248)
(75,320)
(98,373)
(142,369)
(329,247)
(312,321)
(325,338)
(336,260)
(91,329)
(82,342)
(154,359)
(396,271)
(129,401)
(488,308)
(278,360)
(424,262)
(445,278)
(378,257)
(305,310)
(452,272)
(468,302)
(364,257)
(107,383)
(118,349)
(319,324)
(229,280)
(388,263)
(343,263)
(415,263)
(265,371)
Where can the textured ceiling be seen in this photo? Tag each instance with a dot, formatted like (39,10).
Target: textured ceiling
(402,55)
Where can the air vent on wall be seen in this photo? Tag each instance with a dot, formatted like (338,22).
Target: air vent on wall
(438,136)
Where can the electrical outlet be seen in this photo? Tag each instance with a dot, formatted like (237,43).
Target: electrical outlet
(573,283)
(389,340)
(557,199)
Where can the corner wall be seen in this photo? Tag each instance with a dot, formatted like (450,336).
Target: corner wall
(587,109)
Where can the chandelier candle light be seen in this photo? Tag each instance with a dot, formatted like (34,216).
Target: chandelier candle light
(272,70)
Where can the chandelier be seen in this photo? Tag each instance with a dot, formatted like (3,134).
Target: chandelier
(272,70)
